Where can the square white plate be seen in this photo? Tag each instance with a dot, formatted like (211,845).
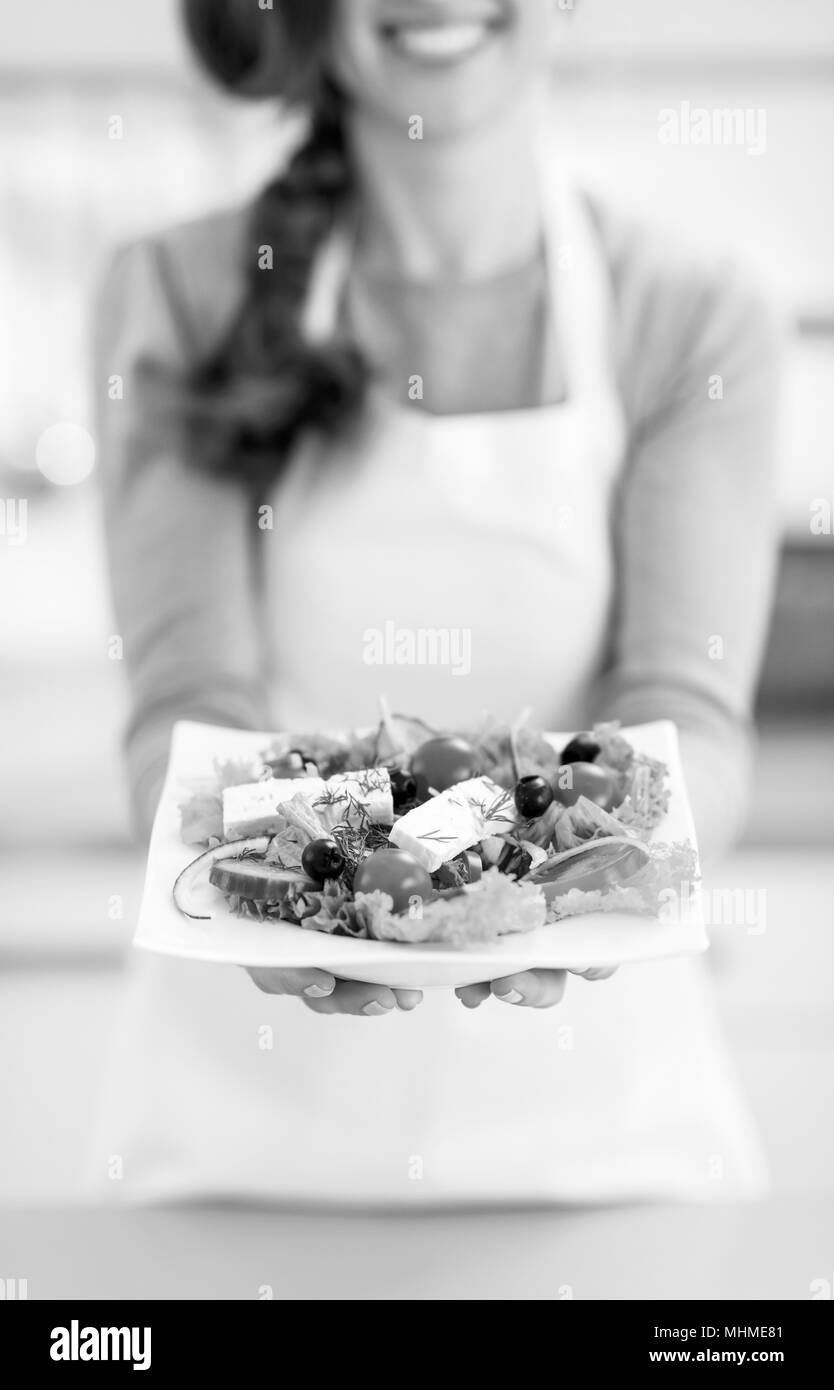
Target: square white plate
(597,939)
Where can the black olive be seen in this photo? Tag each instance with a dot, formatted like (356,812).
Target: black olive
(322,859)
(403,787)
(582,748)
(533,795)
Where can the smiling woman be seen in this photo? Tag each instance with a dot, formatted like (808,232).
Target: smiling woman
(455,63)
(424,38)
(453,426)
(461,68)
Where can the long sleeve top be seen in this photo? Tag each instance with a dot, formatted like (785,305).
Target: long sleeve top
(695,351)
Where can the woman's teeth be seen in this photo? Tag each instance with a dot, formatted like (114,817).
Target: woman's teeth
(441,42)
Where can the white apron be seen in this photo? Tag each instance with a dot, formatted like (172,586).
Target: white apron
(496,526)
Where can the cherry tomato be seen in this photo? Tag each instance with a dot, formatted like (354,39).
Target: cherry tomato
(573,780)
(322,859)
(393,871)
(582,748)
(443,761)
(533,795)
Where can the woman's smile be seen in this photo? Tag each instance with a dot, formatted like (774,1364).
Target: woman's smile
(460,64)
(439,35)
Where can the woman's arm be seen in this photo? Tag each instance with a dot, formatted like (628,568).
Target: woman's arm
(695,544)
(179,541)
(695,535)
(181,547)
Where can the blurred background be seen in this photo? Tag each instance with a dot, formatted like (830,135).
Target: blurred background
(105,133)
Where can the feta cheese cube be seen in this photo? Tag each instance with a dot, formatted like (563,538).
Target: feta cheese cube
(253,808)
(455,820)
(351,796)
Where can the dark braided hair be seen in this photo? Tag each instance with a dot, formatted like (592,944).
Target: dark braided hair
(264,382)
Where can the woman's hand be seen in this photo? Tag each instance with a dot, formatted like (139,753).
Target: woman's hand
(324,994)
(532,989)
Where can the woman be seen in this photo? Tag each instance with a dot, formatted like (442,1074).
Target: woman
(424,381)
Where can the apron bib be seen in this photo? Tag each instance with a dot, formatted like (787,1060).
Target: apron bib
(496,528)
(490,531)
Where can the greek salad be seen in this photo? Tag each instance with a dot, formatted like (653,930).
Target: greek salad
(413,834)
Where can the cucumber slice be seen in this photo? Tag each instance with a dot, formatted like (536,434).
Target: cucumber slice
(199,870)
(599,864)
(254,879)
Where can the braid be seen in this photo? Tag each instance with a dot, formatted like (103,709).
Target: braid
(265,382)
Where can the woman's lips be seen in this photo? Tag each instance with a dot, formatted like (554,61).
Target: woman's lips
(436,39)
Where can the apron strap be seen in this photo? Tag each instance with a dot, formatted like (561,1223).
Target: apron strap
(580,292)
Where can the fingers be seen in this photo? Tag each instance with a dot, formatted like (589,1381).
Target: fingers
(471,996)
(310,984)
(370,1001)
(533,989)
(353,997)
(597,972)
(324,994)
(408,999)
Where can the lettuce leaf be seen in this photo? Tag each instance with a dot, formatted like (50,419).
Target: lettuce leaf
(642,782)
(494,906)
(201,818)
(238,772)
(670,866)
(582,822)
(494,747)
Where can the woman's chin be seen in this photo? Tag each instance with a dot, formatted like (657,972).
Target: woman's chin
(451,97)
